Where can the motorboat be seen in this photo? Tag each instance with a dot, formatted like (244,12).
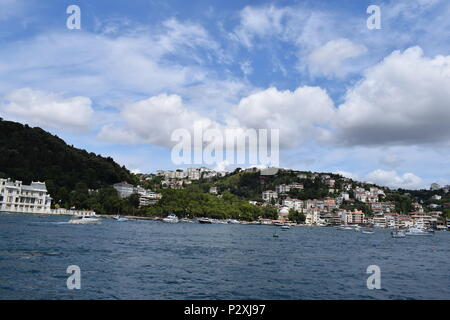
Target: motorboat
(171,218)
(120,219)
(205,221)
(233,221)
(344,227)
(285,227)
(417,232)
(84,220)
(367,231)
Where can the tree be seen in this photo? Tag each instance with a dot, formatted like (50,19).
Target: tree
(298,217)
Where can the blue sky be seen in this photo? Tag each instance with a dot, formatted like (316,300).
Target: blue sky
(371,104)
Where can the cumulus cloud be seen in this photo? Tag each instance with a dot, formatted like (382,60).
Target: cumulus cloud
(405,99)
(48,109)
(393,180)
(298,114)
(259,22)
(328,60)
(153,120)
(347,174)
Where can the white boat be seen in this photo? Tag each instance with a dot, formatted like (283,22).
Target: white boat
(285,227)
(120,219)
(205,220)
(343,227)
(417,232)
(233,221)
(84,220)
(170,219)
(367,231)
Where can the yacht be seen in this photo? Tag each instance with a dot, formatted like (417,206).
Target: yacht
(84,220)
(205,220)
(171,218)
(417,232)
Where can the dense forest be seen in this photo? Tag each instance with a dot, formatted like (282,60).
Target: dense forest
(32,154)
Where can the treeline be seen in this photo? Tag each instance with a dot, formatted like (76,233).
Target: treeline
(193,202)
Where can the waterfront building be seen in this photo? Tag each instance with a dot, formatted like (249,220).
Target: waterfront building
(146,197)
(17,197)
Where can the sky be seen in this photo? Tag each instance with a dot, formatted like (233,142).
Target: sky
(372,104)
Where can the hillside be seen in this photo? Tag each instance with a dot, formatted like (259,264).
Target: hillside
(33,154)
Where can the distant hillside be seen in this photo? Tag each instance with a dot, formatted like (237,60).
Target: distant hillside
(33,154)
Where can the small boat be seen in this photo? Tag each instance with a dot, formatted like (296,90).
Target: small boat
(171,218)
(205,221)
(233,221)
(417,232)
(398,234)
(285,227)
(84,220)
(120,219)
(344,228)
(367,231)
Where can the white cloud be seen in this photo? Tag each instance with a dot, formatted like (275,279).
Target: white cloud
(152,121)
(405,99)
(48,109)
(259,22)
(393,180)
(298,114)
(347,174)
(328,60)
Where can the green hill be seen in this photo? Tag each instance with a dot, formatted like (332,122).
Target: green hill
(29,154)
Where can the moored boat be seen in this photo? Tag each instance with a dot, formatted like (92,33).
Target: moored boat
(171,218)
(84,220)
(417,232)
(205,220)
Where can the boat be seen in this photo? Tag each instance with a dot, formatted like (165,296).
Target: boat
(120,219)
(171,218)
(84,220)
(344,227)
(205,221)
(413,231)
(367,231)
(218,221)
(398,234)
(285,227)
(233,221)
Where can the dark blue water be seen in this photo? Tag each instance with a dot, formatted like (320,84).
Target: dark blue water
(154,260)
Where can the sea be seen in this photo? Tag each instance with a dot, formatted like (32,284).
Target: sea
(143,259)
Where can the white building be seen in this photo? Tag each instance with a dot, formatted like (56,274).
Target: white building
(146,197)
(17,197)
